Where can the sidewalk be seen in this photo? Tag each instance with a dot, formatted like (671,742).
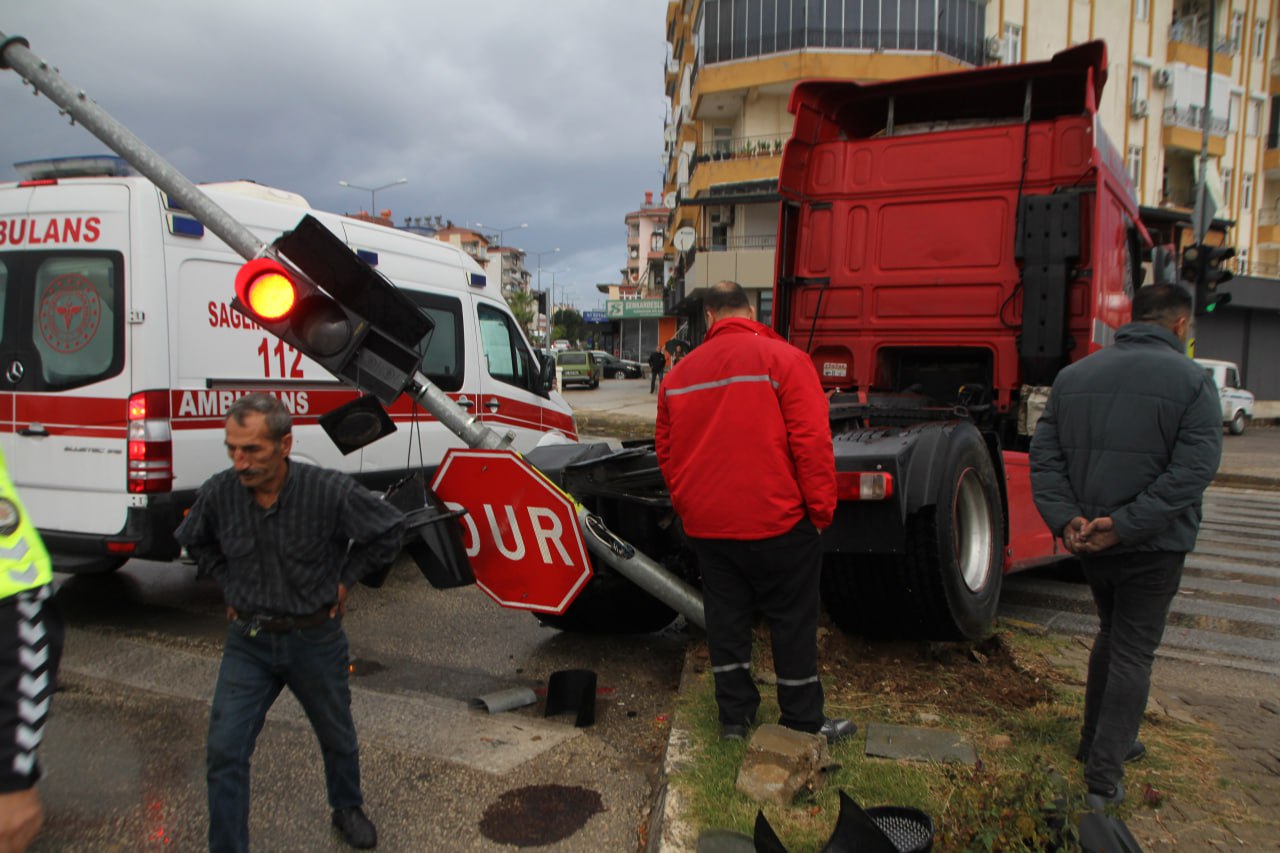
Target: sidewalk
(1239,708)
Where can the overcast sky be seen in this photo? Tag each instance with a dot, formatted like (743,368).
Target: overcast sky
(548,112)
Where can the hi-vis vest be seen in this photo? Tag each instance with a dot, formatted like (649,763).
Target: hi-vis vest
(24,562)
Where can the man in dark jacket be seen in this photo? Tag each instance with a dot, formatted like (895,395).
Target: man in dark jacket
(1129,440)
(657,365)
(744,444)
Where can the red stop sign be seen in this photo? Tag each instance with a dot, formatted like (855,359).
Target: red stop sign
(521,531)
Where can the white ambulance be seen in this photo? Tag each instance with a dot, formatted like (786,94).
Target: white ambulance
(120,354)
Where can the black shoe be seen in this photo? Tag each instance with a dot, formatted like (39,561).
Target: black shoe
(836,730)
(1136,752)
(356,828)
(732,731)
(1099,798)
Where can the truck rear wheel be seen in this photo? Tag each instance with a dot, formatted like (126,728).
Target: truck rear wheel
(947,584)
(1238,423)
(611,604)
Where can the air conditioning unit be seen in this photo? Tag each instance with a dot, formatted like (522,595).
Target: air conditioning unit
(1138,108)
(1163,77)
(995,47)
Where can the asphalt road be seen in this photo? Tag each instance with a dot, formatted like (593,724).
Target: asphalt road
(124,750)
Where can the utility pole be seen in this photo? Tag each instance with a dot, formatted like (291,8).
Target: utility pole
(1203,215)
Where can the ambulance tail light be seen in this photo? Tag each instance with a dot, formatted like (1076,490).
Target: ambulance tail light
(864,485)
(150,454)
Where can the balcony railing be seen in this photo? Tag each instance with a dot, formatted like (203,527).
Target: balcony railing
(1193,118)
(1269,216)
(734,244)
(1195,31)
(730,148)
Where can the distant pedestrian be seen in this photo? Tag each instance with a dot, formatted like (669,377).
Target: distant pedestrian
(752,501)
(285,541)
(657,366)
(1130,438)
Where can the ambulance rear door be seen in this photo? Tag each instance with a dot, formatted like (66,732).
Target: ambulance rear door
(64,383)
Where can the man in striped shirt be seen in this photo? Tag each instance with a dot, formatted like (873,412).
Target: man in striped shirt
(285,541)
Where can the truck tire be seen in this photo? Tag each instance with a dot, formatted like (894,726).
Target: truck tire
(611,604)
(947,584)
(1238,422)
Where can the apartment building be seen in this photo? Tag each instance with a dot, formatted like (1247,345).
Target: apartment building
(732,65)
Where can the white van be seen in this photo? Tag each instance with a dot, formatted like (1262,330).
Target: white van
(1237,403)
(120,354)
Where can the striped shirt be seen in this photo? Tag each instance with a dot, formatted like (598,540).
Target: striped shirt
(288,559)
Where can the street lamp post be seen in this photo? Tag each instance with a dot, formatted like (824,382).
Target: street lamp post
(373,192)
(539,255)
(502,231)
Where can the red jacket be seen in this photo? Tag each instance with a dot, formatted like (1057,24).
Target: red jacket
(743,438)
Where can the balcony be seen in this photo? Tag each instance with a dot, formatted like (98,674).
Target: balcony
(1268,229)
(1271,157)
(1189,41)
(747,259)
(1183,129)
(736,160)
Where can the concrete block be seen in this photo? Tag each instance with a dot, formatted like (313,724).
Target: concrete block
(781,763)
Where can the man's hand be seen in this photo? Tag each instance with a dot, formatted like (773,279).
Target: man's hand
(232,615)
(20,820)
(1098,535)
(340,609)
(1071,533)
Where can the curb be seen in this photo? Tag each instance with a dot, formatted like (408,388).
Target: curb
(668,833)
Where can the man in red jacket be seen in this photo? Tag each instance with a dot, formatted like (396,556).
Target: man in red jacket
(744,444)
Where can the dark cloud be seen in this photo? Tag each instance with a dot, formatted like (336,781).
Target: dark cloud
(498,111)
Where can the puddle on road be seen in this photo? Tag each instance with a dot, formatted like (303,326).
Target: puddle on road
(539,814)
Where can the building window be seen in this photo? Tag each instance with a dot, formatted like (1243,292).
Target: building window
(1259,38)
(1246,191)
(1237,30)
(721,140)
(1135,167)
(764,312)
(1242,267)
(1253,121)
(1226,187)
(1141,9)
(1135,87)
(1012,43)
(1233,114)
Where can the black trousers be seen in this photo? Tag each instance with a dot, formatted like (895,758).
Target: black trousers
(31,634)
(779,577)
(1133,593)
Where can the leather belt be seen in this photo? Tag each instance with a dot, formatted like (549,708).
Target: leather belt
(283,624)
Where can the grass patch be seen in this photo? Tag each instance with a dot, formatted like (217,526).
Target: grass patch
(1007,696)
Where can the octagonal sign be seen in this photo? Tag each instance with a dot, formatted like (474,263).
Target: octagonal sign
(520,531)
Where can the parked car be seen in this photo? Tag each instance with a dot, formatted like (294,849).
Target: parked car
(615,368)
(1237,403)
(559,345)
(578,368)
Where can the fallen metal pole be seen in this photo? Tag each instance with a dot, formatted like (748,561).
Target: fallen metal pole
(16,53)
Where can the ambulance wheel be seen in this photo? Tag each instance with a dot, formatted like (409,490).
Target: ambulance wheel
(947,584)
(1238,423)
(611,604)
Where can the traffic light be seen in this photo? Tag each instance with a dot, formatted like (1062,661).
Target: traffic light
(1203,266)
(316,295)
(1213,274)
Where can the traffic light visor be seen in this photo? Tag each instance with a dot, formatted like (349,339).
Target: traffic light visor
(266,289)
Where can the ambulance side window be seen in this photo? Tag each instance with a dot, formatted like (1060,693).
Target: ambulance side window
(503,348)
(77,321)
(443,352)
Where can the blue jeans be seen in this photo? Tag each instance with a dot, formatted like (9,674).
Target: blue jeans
(312,662)
(1133,593)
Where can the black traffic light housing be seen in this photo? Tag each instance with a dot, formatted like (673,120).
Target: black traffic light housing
(343,315)
(1203,266)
